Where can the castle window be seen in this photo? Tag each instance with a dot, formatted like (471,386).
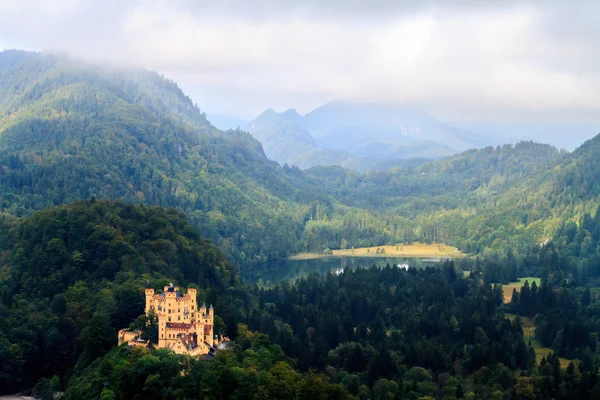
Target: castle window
(159,308)
(178,318)
(169,319)
(192,308)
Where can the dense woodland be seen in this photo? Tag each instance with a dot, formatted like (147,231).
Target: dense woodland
(131,179)
(73,275)
(70,131)
(366,333)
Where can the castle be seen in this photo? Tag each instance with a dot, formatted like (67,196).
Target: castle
(182,326)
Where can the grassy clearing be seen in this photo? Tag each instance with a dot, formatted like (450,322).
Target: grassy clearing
(531,279)
(415,250)
(529,334)
(508,289)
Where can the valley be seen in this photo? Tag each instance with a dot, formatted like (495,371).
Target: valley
(113,182)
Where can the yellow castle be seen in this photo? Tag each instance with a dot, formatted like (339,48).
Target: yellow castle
(182,326)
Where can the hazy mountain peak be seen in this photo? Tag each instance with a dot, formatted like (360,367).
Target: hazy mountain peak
(291,112)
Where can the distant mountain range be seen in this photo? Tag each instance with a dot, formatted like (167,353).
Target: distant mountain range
(354,135)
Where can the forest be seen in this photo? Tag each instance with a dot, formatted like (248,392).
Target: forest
(112,180)
(72,275)
(71,131)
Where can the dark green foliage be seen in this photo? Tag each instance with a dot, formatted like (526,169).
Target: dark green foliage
(389,330)
(71,131)
(254,368)
(73,275)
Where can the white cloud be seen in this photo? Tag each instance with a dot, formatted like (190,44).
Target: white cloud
(251,55)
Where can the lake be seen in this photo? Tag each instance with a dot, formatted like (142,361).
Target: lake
(293,269)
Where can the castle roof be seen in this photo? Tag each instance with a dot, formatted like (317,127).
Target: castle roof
(207,329)
(178,325)
(178,294)
(190,340)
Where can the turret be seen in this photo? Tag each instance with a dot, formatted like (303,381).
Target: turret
(149,296)
(192,295)
(211,313)
(162,333)
(203,310)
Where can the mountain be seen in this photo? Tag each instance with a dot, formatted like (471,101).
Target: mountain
(71,130)
(351,126)
(287,142)
(358,136)
(285,139)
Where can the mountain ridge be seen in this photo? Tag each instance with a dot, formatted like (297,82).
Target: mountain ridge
(337,133)
(72,131)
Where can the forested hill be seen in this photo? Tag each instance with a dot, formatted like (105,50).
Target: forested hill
(483,201)
(71,130)
(71,276)
(579,173)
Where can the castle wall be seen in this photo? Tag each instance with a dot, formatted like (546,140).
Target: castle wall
(178,316)
(125,335)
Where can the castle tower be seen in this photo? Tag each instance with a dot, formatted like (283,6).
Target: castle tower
(193,306)
(149,299)
(162,331)
(209,328)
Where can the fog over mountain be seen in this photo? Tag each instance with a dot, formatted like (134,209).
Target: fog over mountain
(363,136)
(483,65)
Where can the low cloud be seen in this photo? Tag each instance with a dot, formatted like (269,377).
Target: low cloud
(240,57)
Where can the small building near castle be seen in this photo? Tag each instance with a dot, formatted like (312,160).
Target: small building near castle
(183,327)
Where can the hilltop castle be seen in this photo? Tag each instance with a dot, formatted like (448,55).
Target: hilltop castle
(182,326)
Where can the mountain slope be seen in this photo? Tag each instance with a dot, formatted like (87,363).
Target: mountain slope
(347,126)
(70,130)
(286,140)
(337,132)
(485,200)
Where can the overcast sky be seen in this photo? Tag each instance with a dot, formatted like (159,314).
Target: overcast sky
(463,60)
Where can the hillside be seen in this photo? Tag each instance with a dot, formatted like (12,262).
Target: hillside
(71,276)
(485,200)
(70,131)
